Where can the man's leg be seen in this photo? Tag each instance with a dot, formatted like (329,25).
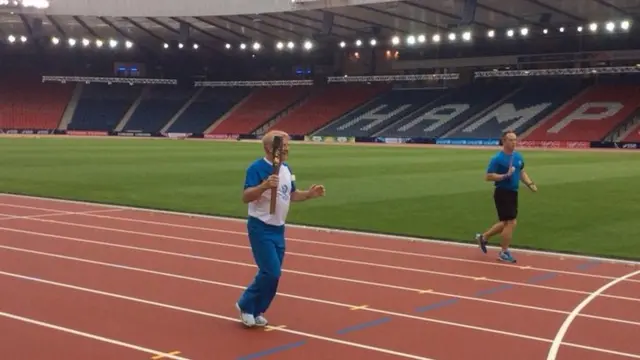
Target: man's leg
(266,279)
(265,302)
(511,213)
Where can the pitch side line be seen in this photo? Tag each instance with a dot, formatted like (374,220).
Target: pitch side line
(557,341)
(360,233)
(90,336)
(207,314)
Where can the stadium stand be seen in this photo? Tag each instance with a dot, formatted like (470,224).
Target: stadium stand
(210,105)
(530,103)
(384,110)
(260,106)
(451,110)
(29,104)
(326,104)
(157,107)
(591,115)
(102,106)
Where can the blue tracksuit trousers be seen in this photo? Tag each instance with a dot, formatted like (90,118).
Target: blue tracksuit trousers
(268,247)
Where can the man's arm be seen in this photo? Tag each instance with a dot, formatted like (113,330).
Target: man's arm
(253,193)
(524,177)
(492,174)
(254,186)
(300,195)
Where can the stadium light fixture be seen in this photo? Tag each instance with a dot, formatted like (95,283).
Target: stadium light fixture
(113,43)
(23,39)
(55,40)
(411,40)
(436,38)
(491,33)
(510,33)
(290,45)
(422,38)
(524,31)
(72,42)
(99,43)
(395,40)
(227,46)
(452,37)
(308,45)
(128,44)
(373,42)
(256,46)
(545,31)
(11,39)
(561,29)
(466,36)
(180,45)
(280,45)
(358,42)
(342,44)
(196,46)
(625,25)
(579,29)
(243,46)
(166,46)
(610,26)
(86,42)
(593,27)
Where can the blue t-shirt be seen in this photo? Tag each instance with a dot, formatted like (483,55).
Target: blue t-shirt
(500,164)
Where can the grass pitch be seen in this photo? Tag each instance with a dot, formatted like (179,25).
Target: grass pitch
(587,201)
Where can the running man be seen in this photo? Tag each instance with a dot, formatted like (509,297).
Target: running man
(266,231)
(506,170)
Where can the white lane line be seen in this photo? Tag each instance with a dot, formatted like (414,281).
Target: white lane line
(306,227)
(340,260)
(298,297)
(211,315)
(557,341)
(91,336)
(59,213)
(330,244)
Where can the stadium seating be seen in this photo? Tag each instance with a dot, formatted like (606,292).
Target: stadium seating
(102,106)
(326,104)
(590,116)
(530,104)
(158,107)
(634,134)
(27,103)
(260,106)
(380,113)
(209,106)
(457,106)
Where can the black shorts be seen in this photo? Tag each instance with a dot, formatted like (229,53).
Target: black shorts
(506,204)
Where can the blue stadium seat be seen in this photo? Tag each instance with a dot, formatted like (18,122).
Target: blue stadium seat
(382,112)
(102,106)
(458,106)
(210,105)
(158,107)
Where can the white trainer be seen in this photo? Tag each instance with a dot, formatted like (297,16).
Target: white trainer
(247,319)
(261,320)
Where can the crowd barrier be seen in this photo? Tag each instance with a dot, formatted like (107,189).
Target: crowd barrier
(339,139)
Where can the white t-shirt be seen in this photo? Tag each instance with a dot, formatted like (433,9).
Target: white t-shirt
(256,173)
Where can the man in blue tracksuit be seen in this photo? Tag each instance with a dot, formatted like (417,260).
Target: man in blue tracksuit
(506,170)
(266,231)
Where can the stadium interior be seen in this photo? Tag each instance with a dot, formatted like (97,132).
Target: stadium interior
(393,70)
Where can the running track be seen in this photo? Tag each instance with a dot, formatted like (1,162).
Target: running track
(87,281)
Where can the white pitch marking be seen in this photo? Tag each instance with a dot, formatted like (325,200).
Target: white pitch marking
(557,341)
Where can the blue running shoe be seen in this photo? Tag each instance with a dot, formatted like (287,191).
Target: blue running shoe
(483,243)
(506,257)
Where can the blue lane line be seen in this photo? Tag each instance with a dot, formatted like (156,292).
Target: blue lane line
(542,277)
(588,265)
(438,305)
(271,351)
(363,325)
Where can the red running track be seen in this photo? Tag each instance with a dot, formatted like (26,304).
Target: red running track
(133,284)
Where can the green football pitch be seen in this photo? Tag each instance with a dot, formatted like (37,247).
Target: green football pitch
(587,201)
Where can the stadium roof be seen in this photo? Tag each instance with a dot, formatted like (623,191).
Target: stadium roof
(381,20)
